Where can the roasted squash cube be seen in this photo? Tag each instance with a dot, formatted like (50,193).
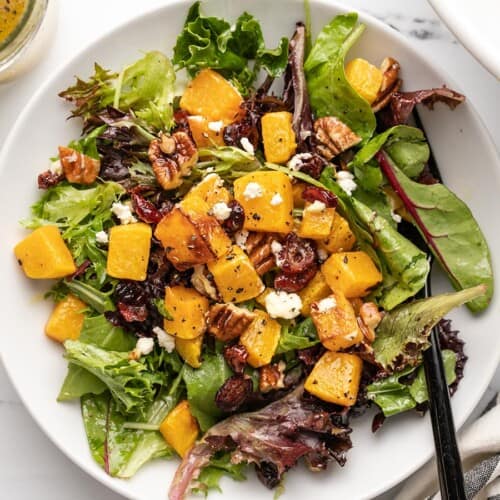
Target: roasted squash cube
(316,225)
(261,339)
(206,133)
(278,136)
(298,189)
(364,78)
(352,273)
(210,95)
(66,319)
(210,189)
(315,290)
(44,254)
(267,199)
(335,378)
(188,310)
(128,251)
(235,277)
(335,322)
(190,236)
(190,350)
(180,429)
(341,238)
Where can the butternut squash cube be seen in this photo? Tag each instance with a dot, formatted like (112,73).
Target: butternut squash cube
(335,378)
(278,136)
(206,135)
(298,189)
(210,95)
(335,322)
(316,289)
(364,78)
(341,238)
(267,199)
(352,273)
(180,429)
(235,277)
(66,319)
(44,254)
(188,309)
(316,225)
(190,350)
(210,189)
(261,339)
(128,251)
(190,236)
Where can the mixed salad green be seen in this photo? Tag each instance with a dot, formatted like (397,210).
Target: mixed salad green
(184,183)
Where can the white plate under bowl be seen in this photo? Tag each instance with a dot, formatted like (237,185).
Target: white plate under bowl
(475,24)
(470,167)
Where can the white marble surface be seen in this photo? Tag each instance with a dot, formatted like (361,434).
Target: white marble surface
(30,465)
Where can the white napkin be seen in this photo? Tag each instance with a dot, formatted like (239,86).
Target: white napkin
(480,450)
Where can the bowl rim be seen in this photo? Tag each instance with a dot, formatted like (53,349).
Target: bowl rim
(120,486)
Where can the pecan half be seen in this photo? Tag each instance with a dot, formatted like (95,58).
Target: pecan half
(260,253)
(203,282)
(272,377)
(227,321)
(390,83)
(77,167)
(369,319)
(172,158)
(333,136)
(236,356)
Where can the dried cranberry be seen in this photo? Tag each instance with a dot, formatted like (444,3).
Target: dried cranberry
(293,282)
(181,121)
(132,313)
(245,126)
(48,179)
(313,165)
(236,218)
(236,357)
(378,421)
(268,474)
(313,193)
(233,393)
(297,254)
(132,300)
(145,210)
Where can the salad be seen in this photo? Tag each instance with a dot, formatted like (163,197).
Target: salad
(240,262)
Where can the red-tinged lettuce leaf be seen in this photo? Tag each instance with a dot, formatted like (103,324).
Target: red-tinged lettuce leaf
(402,104)
(273,438)
(403,333)
(449,230)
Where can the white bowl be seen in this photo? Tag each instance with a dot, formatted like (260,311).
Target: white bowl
(469,165)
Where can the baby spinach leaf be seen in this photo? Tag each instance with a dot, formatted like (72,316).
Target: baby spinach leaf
(202,385)
(330,92)
(449,229)
(394,396)
(403,333)
(301,336)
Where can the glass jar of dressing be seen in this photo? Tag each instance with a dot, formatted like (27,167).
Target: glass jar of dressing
(25,28)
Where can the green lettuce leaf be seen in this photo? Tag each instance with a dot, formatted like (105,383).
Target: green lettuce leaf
(301,336)
(394,396)
(329,91)
(211,42)
(211,475)
(449,229)
(403,333)
(202,385)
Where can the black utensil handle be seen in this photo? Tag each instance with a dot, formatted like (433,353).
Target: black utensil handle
(451,479)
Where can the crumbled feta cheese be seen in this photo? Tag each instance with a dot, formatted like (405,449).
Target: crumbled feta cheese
(164,339)
(240,238)
(325,305)
(345,180)
(123,212)
(283,305)
(297,161)
(322,254)
(220,211)
(396,217)
(247,145)
(216,126)
(276,200)
(253,190)
(209,170)
(316,207)
(276,248)
(144,346)
(102,237)
(55,167)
